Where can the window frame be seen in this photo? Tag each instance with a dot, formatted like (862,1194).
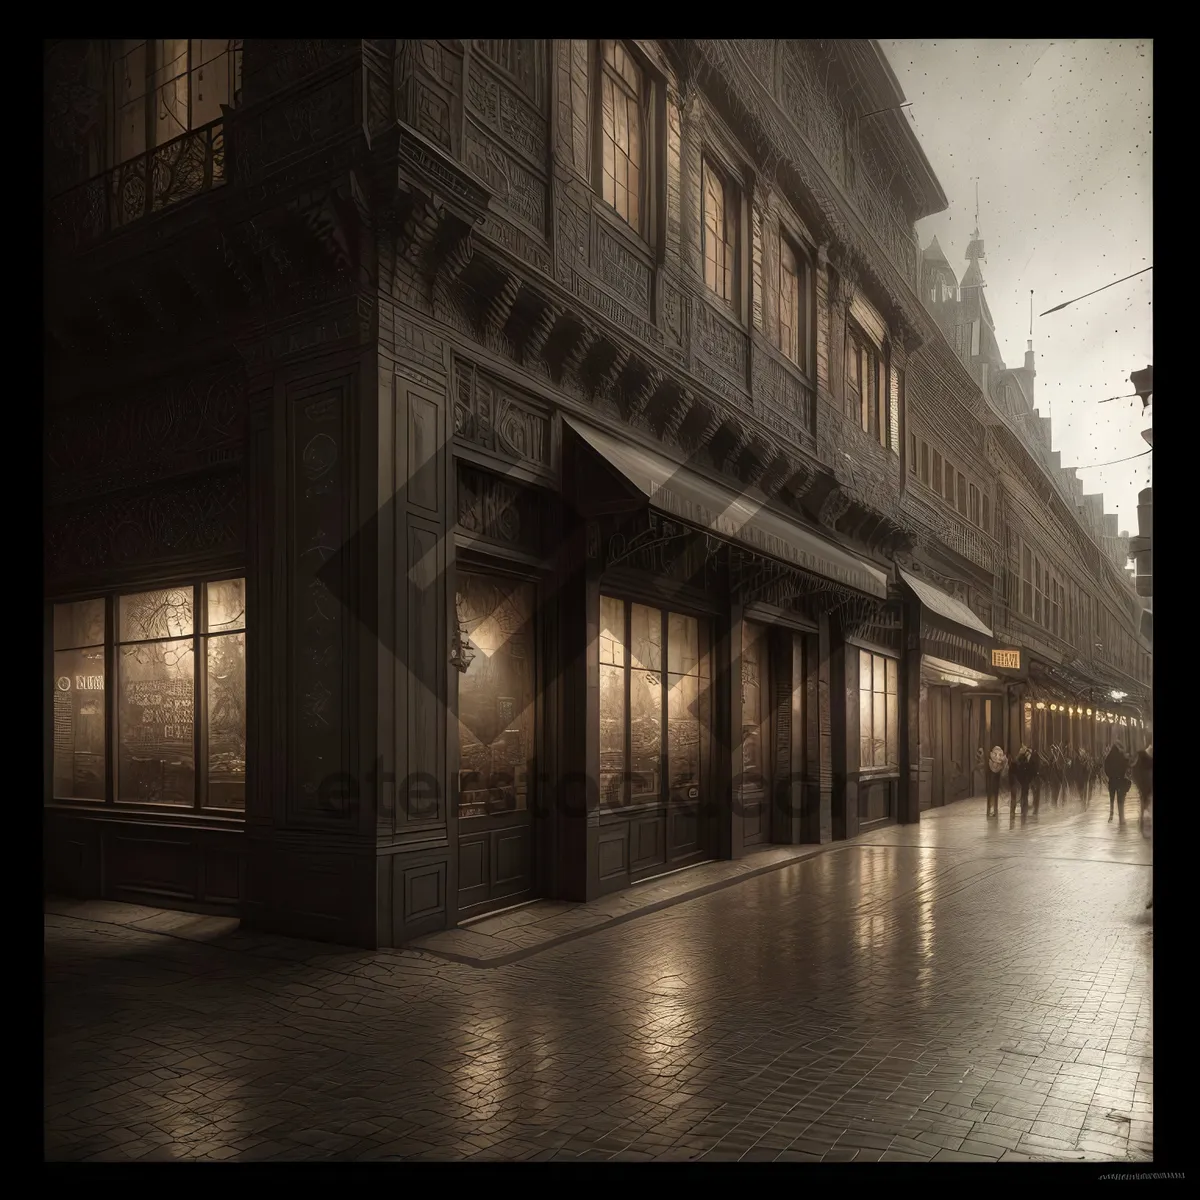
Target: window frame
(713,165)
(647,108)
(112,155)
(629,803)
(199,639)
(869,360)
(891,754)
(805,279)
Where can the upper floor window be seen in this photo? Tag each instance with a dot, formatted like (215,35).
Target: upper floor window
(795,284)
(624,103)
(523,58)
(936,481)
(973,507)
(865,386)
(163,88)
(720,235)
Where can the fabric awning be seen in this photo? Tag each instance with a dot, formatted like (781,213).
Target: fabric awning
(680,492)
(944,605)
(940,670)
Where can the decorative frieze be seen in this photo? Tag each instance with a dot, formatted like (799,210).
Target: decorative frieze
(492,415)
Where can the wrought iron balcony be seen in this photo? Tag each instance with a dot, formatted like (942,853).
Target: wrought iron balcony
(150,183)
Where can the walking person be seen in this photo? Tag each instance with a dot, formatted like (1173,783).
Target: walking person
(1116,764)
(997,761)
(1142,773)
(1024,771)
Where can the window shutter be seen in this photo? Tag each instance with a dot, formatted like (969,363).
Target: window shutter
(894,413)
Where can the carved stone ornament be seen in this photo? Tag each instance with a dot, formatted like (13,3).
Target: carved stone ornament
(835,506)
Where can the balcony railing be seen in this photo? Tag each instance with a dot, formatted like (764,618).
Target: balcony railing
(154,181)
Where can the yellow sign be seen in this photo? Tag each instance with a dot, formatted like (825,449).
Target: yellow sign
(1010,660)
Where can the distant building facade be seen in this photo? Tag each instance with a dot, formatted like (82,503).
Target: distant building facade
(487,470)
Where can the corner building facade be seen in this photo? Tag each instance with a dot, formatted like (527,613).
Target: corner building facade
(476,471)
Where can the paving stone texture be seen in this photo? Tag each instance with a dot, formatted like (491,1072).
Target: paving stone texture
(960,990)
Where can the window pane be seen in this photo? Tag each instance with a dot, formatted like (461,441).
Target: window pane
(150,616)
(612,631)
(212,78)
(171,89)
(879,731)
(155,723)
(129,101)
(79,624)
(893,731)
(645,638)
(866,721)
(683,730)
(864,670)
(227,721)
(936,481)
(683,644)
(496,696)
(893,675)
(226,605)
(80,762)
(612,734)
(645,734)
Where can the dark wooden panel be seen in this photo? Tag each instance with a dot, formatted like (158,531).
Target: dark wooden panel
(424,459)
(685,830)
(420,896)
(649,837)
(72,857)
(426,671)
(222,878)
(614,852)
(512,857)
(150,864)
(472,865)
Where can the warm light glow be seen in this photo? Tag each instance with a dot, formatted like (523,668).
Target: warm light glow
(1028,706)
(1089,712)
(1041,704)
(1119,695)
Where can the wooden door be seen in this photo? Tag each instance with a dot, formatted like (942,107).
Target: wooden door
(655,744)
(752,785)
(497,732)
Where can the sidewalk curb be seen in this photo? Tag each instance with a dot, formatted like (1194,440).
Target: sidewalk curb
(707,889)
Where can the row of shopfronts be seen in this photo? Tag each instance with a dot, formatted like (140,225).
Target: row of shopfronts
(700,676)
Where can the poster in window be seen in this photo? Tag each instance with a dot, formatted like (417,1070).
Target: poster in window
(156,723)
(79,711)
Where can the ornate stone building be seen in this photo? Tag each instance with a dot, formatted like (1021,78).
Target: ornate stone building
(1064,599)
(478,470)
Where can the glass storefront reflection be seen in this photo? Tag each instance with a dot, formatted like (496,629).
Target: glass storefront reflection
(496,695)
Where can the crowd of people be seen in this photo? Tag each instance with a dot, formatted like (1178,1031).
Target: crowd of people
(1060,771)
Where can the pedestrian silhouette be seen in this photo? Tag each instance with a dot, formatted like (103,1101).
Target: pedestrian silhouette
(1116,767)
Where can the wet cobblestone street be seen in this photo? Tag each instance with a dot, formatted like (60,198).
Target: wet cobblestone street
(962,989)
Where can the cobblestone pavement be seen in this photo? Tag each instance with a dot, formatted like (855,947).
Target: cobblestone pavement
(962,989)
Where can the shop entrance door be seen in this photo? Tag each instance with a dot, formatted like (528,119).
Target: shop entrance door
(751,787)
(497,741)
(655,721)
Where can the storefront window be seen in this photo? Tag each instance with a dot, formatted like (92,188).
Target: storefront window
(80,757)
(638,697)
(165,708)
(496,695)
(878,711)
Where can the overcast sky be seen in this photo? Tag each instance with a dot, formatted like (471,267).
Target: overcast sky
(1059,135)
